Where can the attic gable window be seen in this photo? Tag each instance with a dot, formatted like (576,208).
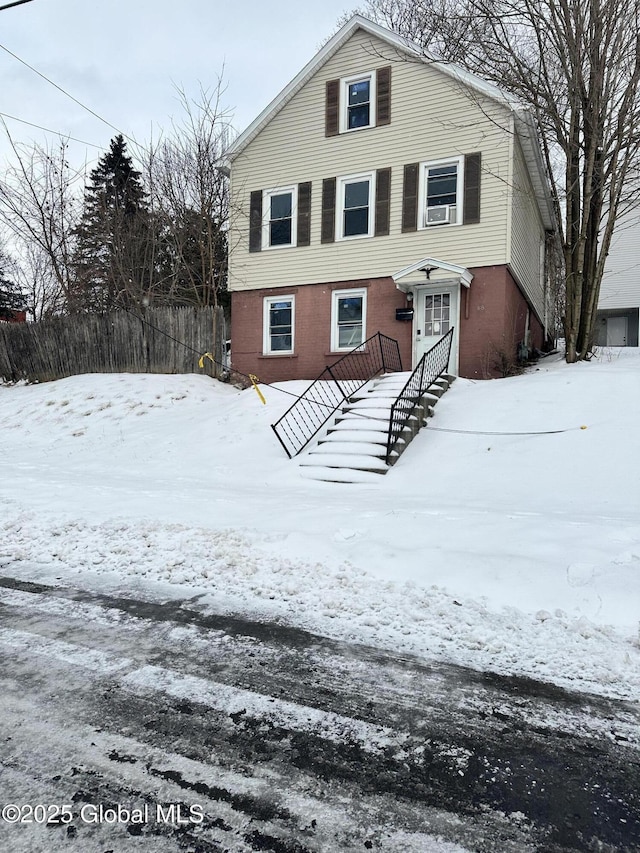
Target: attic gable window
(358,109)
(357,102)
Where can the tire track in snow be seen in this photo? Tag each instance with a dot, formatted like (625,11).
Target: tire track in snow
(305,712)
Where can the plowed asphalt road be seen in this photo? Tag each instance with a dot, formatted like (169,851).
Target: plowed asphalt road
(254,736)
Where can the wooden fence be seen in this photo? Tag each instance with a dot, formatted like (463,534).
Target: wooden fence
(159,340)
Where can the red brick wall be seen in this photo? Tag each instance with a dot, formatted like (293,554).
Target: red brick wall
(493,316)
(312,328)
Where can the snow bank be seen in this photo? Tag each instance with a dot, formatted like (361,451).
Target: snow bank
(513,553)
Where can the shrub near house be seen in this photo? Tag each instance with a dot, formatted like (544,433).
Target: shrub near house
(381,179)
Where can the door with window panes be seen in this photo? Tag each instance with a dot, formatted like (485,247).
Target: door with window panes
(435,313)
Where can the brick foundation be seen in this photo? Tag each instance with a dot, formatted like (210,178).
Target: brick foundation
(312,328)
(493,316)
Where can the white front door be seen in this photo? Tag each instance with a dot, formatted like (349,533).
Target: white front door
(616,331)
(435,313)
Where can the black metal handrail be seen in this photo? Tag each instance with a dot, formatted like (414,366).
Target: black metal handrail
(336,383)
(431,366)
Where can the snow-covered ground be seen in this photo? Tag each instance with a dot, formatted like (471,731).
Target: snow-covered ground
(515,553)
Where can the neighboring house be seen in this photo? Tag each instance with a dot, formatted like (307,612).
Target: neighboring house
(13,315)
(618,317)
(385,191)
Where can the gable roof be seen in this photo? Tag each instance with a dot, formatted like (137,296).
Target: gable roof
(428,265)
(525,125)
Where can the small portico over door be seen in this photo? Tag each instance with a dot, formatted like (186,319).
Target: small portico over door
(434,286)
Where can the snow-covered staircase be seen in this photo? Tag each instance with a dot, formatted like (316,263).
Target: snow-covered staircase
(353,447)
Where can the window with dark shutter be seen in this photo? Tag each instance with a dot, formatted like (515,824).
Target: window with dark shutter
(383,96)
(471,213)
(328,225)
(383,201)
(332,108)
(410,198)
(255,221)
(304,214)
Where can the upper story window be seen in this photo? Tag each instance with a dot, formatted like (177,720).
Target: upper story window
(441,192)
(355,206)
(279,217)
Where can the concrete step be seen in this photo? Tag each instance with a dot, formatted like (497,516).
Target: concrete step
(376,416)
(339,475)
(354,424)
(354,461)
(342,432)
(350,448)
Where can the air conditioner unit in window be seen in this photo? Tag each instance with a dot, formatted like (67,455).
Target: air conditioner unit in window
(440,215)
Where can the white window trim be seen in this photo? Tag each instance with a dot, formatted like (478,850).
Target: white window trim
(266,221)
(422,190)
(266,329)
(345,82)
(340,294)
(340,194)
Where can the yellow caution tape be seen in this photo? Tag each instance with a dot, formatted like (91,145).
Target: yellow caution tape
(254,381)
(202,358)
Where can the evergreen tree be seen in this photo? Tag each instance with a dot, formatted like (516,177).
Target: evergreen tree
(10,296)
(114,238)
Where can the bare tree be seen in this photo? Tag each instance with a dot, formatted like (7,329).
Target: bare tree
(39,206)
(190,200)
(576,65)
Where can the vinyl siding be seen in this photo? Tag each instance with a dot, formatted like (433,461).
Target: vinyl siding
(432,118)
(526,235)
(621,281)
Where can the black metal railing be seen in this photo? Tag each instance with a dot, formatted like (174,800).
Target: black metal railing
(431,366)
(336,383)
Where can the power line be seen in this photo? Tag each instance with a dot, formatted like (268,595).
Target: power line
(15,3)
(68,95)
(48,130)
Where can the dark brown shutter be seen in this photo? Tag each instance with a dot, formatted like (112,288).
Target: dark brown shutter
(471,211)
(328,227)
(304,214)
(383,201)
(383,95)
(255,221)
(410,198)
(332,108)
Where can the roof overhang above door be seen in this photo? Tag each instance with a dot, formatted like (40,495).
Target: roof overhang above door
(430,270)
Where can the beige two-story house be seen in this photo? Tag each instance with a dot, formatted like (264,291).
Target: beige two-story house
(383,190)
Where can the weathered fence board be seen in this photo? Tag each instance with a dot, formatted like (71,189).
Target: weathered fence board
(161,340)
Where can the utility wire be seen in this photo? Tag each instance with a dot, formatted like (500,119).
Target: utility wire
(15,3)
(327,405)
(48,130)
(68,95)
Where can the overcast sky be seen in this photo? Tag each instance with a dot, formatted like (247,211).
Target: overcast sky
(122,59)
